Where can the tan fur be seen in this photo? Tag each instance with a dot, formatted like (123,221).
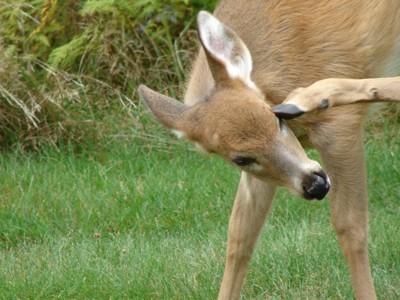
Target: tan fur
(293,43)
(327,93)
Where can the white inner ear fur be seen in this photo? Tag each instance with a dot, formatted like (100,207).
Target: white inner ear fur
(228,49)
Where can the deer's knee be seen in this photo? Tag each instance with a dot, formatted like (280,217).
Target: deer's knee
(353,238)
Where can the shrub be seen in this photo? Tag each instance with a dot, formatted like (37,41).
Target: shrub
(69,69)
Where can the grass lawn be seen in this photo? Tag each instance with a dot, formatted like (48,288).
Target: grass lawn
(135,222)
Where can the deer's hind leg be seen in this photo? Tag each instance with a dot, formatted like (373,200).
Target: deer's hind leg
(341,148)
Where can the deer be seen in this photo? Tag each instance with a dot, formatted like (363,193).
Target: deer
(244,103)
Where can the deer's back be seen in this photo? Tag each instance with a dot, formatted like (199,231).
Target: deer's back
(294,43)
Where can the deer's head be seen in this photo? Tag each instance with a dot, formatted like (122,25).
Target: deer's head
(235,122)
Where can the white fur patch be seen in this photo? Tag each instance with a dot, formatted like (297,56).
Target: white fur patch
(179,134)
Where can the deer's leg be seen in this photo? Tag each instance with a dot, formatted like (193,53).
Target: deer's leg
(331,92)
(343,158)
(252,202)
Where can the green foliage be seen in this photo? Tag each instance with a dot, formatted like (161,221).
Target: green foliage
(35,27)
(53,107)
(64,61)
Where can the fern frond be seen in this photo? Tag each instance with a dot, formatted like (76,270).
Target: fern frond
(92,7)
(65,56)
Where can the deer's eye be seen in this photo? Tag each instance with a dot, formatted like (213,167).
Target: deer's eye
(243,161)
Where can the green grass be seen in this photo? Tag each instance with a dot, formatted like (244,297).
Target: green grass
(144,222)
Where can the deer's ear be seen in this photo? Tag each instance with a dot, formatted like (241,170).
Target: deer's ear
(227,54)
(168,111)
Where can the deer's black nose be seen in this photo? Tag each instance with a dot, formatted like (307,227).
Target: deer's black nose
(316,186)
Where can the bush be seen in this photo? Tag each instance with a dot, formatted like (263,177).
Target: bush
(69,69)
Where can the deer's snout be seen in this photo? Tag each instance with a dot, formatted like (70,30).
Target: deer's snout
(316,186)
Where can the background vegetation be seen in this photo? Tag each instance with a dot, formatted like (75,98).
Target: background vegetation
(97,202)
(69,70)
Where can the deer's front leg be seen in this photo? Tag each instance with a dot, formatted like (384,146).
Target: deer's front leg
(252,202)
(343,159)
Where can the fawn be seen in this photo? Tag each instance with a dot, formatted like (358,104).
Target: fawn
(252,55)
